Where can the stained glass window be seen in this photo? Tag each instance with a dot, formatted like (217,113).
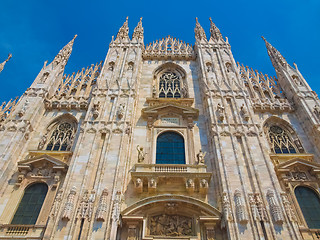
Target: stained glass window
(30,205)
(281,141)
(61,137)
(170,149)
(309,204)
(169,86)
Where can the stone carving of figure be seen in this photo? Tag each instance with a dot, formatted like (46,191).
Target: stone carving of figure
(141,154)
(42,141)
(24,108)
(316,111)
(244,112)
(200,157)
(121,110)
(220,112)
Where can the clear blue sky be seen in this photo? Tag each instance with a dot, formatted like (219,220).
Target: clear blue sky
(34,31)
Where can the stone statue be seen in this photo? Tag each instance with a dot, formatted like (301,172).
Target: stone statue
(220,112)
(200,157)
(141,154)
(4,63)
(121,110)
(42,141)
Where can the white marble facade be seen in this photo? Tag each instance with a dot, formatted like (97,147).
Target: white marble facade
(103,178)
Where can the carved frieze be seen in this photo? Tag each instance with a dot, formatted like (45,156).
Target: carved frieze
(171,225)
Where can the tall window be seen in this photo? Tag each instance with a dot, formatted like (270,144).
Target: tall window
(169,86)
(170,149)
(61,137)
(309,203)
(30,205)
(281,140)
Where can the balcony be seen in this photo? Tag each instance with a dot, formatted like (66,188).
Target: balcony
(170,178)
(10,231)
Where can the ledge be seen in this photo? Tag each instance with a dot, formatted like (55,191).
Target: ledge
(191,178)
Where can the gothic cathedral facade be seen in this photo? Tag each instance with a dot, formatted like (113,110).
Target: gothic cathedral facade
(162,141)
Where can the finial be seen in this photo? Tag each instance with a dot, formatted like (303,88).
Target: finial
(141,19)
(263,38)
(127,19)
(5,61)
(75,36)
(197,19)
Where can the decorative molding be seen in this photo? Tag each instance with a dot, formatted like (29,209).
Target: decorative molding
(69,205)
(169,48)
(102,206)
(240,208)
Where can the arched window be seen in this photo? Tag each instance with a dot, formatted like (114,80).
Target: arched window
(309,203)
(30,205)
(170,149)
(61,137)
(169,85)
(281,140)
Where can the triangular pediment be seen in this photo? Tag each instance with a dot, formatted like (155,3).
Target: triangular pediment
(163,107)
(298,162)
(41,161)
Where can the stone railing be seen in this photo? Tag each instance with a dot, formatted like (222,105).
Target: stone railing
(10,231)
(182,177)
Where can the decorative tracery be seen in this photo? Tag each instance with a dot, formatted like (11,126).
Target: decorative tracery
(62,137)
(169,86)
(281,140)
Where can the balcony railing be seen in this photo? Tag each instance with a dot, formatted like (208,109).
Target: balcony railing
(22,231)
(147,177)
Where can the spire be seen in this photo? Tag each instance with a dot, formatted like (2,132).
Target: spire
(199,32)
(214,31)
(275,55)
(4,63)
(138,31)
(123,31)
(64,54)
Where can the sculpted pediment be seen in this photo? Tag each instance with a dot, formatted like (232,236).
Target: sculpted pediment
(162,106)
(298,163)
(170,107)
(43,161)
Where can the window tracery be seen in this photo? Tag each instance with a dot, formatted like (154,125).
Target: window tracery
(281,141)
(61,137)
(169,85)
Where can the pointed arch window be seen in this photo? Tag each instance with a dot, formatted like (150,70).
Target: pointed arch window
(281,140)
(31,204)
(170,149)
(309,203)
(61,137)
(169,85)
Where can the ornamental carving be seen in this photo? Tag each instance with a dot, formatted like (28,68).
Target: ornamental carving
(274,207)
(69,205)
(85,208)
(240,208)
(168,47)
(103,206)
(171,225)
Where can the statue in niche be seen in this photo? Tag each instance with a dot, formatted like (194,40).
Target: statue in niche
(42,141)
(121,110)
(244,112)
(220,112)
(200,157)
(141,154)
